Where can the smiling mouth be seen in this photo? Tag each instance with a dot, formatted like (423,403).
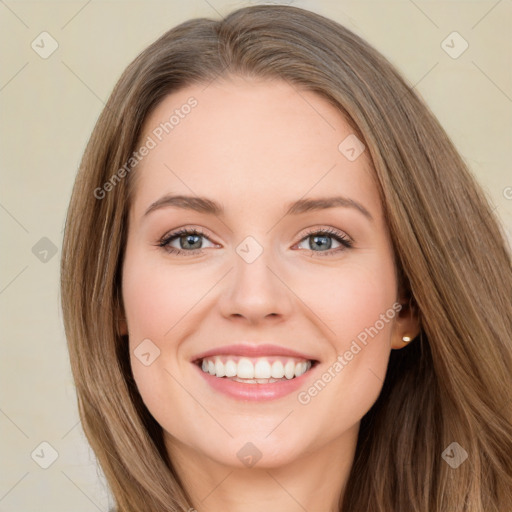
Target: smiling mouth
(255,370)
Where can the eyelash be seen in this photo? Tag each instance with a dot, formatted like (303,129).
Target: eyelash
(339,236)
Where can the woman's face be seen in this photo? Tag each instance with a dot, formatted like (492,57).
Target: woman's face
(269,288)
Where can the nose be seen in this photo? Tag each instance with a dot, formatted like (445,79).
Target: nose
(256,291)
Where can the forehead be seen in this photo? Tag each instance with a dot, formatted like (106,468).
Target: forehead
(248,141)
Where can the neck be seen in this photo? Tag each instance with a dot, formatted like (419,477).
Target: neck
(314,481)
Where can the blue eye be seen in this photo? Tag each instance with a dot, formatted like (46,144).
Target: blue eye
(323,240)
(185,237)
(190,241)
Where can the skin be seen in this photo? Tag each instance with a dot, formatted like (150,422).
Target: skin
(255,146)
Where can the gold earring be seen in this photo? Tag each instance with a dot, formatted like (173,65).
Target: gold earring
(406,339)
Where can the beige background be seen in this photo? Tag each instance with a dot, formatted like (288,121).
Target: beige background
(48,108)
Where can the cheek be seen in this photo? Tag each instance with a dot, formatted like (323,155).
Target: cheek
(354,296)
(155,300)
(357,306)
(159,301)
(156,297)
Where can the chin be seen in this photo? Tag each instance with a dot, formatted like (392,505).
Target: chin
(258,451)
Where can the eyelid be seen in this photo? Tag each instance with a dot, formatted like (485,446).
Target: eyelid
(329,230)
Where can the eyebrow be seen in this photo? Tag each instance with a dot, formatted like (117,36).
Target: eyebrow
(205,205)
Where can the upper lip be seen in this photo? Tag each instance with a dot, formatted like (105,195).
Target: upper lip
(251,350)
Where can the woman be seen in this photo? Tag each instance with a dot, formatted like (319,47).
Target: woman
(281,287)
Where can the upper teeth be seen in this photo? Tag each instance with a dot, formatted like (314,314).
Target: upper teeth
(257,368)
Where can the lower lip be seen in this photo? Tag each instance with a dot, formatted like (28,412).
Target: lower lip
(254,392)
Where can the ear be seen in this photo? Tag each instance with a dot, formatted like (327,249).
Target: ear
(407,324)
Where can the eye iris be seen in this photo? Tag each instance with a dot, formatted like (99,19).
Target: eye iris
(186,239)
(322,237)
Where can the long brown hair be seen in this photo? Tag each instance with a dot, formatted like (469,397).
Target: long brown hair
(451,384)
